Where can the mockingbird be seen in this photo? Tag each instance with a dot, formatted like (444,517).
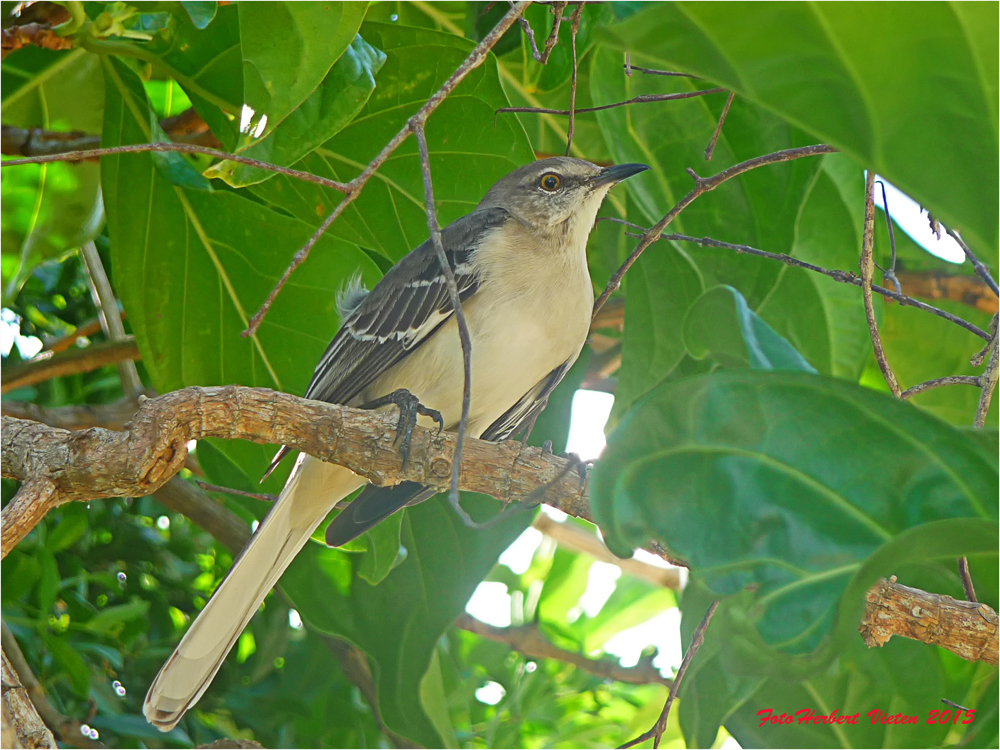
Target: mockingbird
(520,260)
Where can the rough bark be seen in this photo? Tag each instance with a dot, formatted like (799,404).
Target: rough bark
(22,726)
(968,629)
(137,461)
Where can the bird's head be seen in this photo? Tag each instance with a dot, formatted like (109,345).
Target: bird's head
(558,190)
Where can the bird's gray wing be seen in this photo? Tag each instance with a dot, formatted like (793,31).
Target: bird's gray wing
(528,406)
(403,310)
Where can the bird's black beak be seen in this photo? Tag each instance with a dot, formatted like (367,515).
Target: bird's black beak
(617,173)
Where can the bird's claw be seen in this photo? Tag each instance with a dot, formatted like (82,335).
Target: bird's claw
(409,409)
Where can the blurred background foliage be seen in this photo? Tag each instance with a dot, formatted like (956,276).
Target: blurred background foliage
(100,593)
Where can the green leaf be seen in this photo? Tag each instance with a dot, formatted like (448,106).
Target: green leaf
(288,48)
(112,618)
(70,660)
(788,481)
(201,12)
(72,525)
(659,288)
(467,154)
(324,113)
(383,549)
(758,208)
(48,584)
(21,572)
(49,208)
(859,79)
(218,249)
(399,622)
(823,319)
(721,326)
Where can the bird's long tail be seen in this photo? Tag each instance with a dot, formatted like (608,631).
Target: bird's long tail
(310,493)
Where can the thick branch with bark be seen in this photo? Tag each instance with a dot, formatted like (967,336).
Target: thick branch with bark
(58,466)
(968,629)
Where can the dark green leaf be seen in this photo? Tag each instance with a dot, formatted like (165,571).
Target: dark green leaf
(288,48)
(70,660)
(113,617)
(48,585)
(324,113)
(71,527)
(467,154)
(382,551)
(201,12)
(721,326)
(783,480)
(859,79)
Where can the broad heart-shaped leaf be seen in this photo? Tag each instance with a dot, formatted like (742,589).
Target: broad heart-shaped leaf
(721,326)
(399,621)
(467,153)
(659,288)
(758,208)
(191,266)
(288,48)
(335,102)
(824,319)
(788,481)
(860,79)
(49,208)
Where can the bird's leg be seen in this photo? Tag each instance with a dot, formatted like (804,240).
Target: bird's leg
(409,408)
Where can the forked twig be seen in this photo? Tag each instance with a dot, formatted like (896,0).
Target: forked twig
(553,38)
(867,269)
(702,185)
(697,638)
(572,97)
(710,149)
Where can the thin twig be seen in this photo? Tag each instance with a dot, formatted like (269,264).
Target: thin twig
(963,569)
(710,149)
(981,270)
(456,305)
(989,382)
(529,641)
(182,148)
(71,362)
(267,498)
(938,382)
(572,96)
(656,731)
(645,98)
(890,274)
(355,186)
(844,277)
(107,310)
(654,72)
(553,38)
(867,269)
(702,185)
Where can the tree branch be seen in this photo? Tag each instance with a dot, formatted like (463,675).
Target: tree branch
(702,185)
(844,277)
(114,416)
(867,269)
(38,34)
(529,641)
(697,638)
(969,290)
(58,466)
(968,629)
(643,99)
(938,382)
(71,362)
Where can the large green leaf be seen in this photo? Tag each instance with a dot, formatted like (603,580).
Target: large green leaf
(49,208)
(720,325)
(824,319)
(191,266)
(399,621)
(288,48)
(467,154)
(783,480)
(860,78)
(339,97)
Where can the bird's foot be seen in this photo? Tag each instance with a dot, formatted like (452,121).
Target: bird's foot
(409,409)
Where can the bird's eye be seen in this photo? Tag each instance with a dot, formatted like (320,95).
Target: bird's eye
(550,182)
